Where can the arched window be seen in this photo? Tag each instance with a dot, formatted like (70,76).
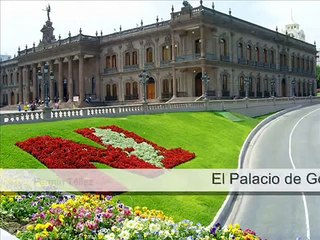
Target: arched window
(302,64)
(312,65)
(308,64)
(11,78)
(114,61)
(197,46)
(166,53)
(265,55)
(114,90)
(272,56)
(149,55)
(249,52)
(165,86)
(265,85)
(257,54)
(224,82)
(258,85)
(241,84)
(298,62)
(223,47)
(127,59)
(128,89)
(240,50)
(134,58)
(285,62)
(135,89)
(108,90)
(108,63)
(250,85)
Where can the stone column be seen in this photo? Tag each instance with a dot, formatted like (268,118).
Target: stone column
(121,90)
(27,83)
(60,80)
(202,45)
(51,84)
(203,70)
(97,79)
(81,79)
(35,82)
(70,79)
(174,78)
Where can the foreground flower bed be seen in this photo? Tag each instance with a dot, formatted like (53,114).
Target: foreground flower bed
(56,216)
(123,149)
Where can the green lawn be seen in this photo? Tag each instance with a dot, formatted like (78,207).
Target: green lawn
(215,140)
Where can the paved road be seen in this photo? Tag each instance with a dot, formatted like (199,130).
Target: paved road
(290,141)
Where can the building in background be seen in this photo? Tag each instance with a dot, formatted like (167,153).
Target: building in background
(238,56)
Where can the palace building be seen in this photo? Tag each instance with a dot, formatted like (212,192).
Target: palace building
(239,57)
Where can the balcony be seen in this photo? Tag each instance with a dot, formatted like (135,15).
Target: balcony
(188,58)
(129,68)
(252,63)
(224,58)
(242,61)
(111,98)
(273,66)
(149,65)
(131,97)
(283,68)
(165,63)
(110,70)
(260,64)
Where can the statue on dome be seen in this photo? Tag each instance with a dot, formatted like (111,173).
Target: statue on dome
(48,10)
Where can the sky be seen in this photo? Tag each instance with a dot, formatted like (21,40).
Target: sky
(21,21)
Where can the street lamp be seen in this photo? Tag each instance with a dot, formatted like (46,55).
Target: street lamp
(246,85)
(293,83)
(205,79)
(273,83)
(51,81)
(144,78)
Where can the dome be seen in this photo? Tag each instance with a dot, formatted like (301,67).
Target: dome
(293,30)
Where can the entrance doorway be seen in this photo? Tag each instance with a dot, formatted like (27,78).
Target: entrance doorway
(151,89)
(283,87)
(198,85)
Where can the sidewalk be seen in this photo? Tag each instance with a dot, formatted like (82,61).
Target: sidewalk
(4,235)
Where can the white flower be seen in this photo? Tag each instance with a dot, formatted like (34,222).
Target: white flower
(124,235)
(131,224)
(142,150)
(110,236)
(154,227)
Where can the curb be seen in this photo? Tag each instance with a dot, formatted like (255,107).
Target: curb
(6,236)
(226,208)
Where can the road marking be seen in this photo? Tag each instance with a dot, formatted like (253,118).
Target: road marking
(294,167)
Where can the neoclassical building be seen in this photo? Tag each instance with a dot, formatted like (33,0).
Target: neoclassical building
(237,55)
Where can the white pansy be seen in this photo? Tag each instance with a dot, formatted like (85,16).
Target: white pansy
(124,235)
(154,227)
(110,236)
(131,224)
(143,150)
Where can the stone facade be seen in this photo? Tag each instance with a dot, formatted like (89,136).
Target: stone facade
(239,57)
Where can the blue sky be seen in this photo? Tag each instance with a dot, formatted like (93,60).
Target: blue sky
(21,21)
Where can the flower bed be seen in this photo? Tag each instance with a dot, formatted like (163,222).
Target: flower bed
(99,217)
(124,150)
(132,144)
